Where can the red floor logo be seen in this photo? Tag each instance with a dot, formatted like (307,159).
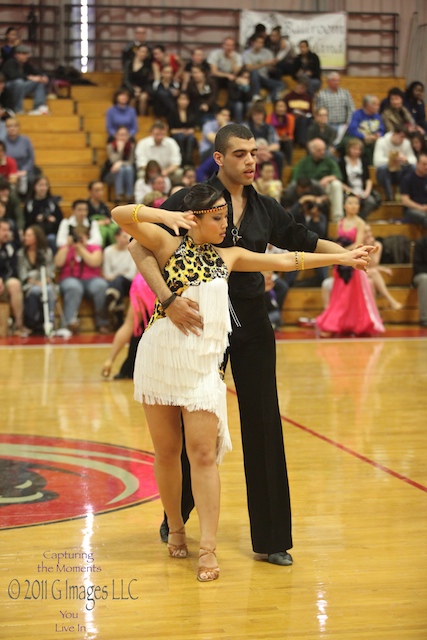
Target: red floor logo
(44,480)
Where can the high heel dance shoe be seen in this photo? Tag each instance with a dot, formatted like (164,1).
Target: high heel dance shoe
(106,368)
(207,574)
(178,550)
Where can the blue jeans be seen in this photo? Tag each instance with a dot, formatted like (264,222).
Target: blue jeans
(273,86)
(387,178)
(73,290)
(33,305)
(21,88)
(124,180)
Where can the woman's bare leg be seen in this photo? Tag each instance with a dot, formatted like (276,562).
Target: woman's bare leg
(380,287)
(121,338)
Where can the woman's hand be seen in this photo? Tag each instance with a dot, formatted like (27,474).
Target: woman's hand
(184,313)
(177,220)
(357,258)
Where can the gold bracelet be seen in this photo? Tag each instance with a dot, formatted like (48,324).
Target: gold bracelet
(296,261)
(135,212)
(302,260)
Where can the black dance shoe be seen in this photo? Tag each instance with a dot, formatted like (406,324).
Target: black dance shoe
(281,557)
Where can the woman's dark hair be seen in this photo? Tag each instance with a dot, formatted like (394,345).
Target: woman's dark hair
(152,165)
(418,136)
(32,193)
(409,96)
(395,91)
(119,92)
(200,196)
(41,244)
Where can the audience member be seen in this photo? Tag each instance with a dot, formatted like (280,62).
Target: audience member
(138,78)
(197,59)
(5,106)
(121,172)
(80,275)
(20,148)
(22,79)
(162,59)
(356,177)
(307,66)
(240,95)
(225,63)
(367,125)
(261,129)
(375,271)
(42,209)
(79,217)
(263,154)
(420,277)
(12,41)
(320,128)
(202,93)
(337,101)
(266,184)
(275,294)
(413,192)
(145,185)
(259,60)
(418,143)
(413,101)
(352,308)
(182,123)
(12,202)
(158,146)
(14,233)
(396,114)
(318,166)
(209,131)
(121,114)
(283,53)
(188,178)
(35,254)
(260,31)
(8,166)
(165,92)
(99,213)
(284,124)
(118,270)
(393,158)
(299,104)
(304,186)
(129,51)
(308,211)
(10,285)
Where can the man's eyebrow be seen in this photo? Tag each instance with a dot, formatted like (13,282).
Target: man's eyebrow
(244,150)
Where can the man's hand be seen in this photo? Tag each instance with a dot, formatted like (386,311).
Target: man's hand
(185,315)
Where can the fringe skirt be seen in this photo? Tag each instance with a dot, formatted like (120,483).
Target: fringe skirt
(174,369)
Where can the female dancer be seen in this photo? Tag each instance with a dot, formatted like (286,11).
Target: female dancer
(177,374)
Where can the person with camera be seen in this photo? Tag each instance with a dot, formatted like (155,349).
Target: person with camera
(79,261)
(79,216)
(43,210)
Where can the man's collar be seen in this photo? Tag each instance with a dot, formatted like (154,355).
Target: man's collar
(216,182)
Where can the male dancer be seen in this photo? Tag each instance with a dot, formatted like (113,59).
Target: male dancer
(254,221)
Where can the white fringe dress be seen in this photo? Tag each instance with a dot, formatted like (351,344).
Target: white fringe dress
(174,369)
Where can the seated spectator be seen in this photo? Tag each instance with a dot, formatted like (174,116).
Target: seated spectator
(12,41)
(35,254)
(10,285)
(261,129)
(299,104)
(160,147)
(182,124)
(12,202)
(319,128)
(263,154)
(162,59)
(188,178)
(145,185)
(165,92)
(138,78)
(20,148)
(284,125)
(259,60)
(375,271)
(22,80)
(202,93)
(225,63)
(121,172)
(396,114)
(413,101)
(80,276)
(367,125)
(197,59)
(283,53)
(337,101)
(118,270)
(5,109)
(413,193)
(42,209)
(308,211)
(420,278)
(99,212)
(14,233)
(266,184)
(418,143)
(318,166)
(240,95)
(121,114)
(305,187)
(260,31)
(307,66)
(209,131)
(275,294)
(79,217)
(393,158)
(8,166)
(129,51)
(356,177)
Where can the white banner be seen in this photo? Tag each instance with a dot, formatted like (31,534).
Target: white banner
(326,33)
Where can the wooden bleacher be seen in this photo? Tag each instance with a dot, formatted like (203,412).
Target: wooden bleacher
(70,145)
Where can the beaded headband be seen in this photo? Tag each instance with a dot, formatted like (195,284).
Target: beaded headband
(211,210)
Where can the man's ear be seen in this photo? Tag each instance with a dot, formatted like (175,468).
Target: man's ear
(217,156)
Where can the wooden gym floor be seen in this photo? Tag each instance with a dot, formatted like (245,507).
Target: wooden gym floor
(80,553)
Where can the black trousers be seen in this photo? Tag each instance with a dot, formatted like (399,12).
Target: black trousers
(252,354)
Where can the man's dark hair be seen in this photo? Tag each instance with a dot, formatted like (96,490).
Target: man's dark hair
(395,91)
(304,42)
(201,196)
(80,201)
(159,46)
(223,136)
(399,128)
(9,29)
